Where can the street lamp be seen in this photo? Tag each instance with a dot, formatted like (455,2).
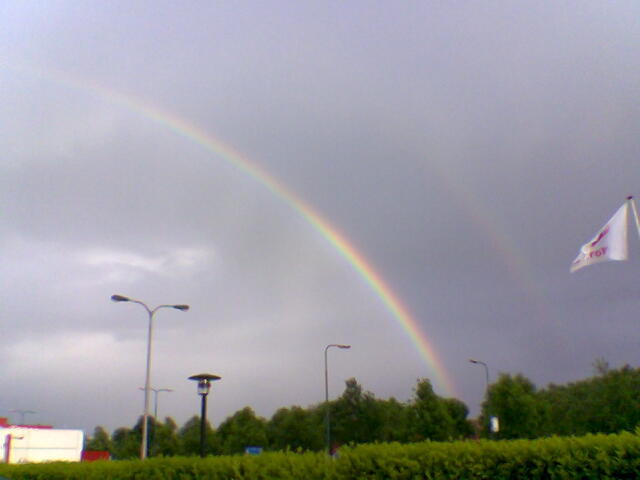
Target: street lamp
(22,414)
(486,370)
(156,391)
(147,383)
(327,418)
(491,420)
(204,386)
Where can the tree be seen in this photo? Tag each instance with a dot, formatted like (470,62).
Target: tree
(458,412)
(165,442)
(99,441)
(355,416)
(189,438)
(241,430)
(294,428)
(513,400)
(600,366)
(126,443)
(606,403)
(619,394)
(395,421)
(429,417)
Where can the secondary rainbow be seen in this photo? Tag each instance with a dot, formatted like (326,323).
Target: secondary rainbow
(364,268)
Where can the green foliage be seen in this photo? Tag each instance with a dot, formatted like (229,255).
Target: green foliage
(429,415)
(513,400)
(355,416)
(458,412)
(594,457)
(588,457)
(125,443)
(100,440)
(395,421)
(242,430)
(165,440)
(295,429)
(606,403)
(188,438)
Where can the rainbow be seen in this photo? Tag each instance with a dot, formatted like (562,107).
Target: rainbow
(215,146)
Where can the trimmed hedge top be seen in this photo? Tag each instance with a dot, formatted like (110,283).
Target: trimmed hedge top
(589,457)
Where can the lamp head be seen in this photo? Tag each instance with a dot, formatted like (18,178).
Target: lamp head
(204,382)
(204,387)
(120,298)
(184,308)
(343,346)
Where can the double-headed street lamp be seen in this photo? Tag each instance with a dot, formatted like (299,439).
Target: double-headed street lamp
(147,383)
(327,418)
(204,386)
(22,414)
(156,391)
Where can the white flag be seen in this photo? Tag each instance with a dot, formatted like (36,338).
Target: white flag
(610,243)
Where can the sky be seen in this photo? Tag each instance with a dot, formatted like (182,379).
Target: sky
(412,178)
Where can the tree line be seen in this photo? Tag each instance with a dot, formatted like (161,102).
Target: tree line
(608,402)
(356,417)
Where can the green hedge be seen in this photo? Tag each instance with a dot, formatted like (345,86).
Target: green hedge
(590,457)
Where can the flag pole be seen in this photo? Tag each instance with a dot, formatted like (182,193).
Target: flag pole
(635,212)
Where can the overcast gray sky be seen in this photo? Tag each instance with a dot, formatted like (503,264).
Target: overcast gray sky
(464,149)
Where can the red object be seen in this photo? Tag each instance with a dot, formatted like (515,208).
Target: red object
(94,455)
(4,423)
(41,427)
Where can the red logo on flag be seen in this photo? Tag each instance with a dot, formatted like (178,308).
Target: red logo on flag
(603,233)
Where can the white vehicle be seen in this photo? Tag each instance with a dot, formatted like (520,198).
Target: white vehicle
(31,444)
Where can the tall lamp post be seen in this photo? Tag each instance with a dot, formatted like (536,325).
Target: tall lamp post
(204,386)
(486,371)
(147,383)
(327,418)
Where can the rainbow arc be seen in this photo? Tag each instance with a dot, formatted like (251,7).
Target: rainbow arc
(346,249)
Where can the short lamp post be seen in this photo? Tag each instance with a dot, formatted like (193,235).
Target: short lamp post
(147,383)
(204,386)
(327,418)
